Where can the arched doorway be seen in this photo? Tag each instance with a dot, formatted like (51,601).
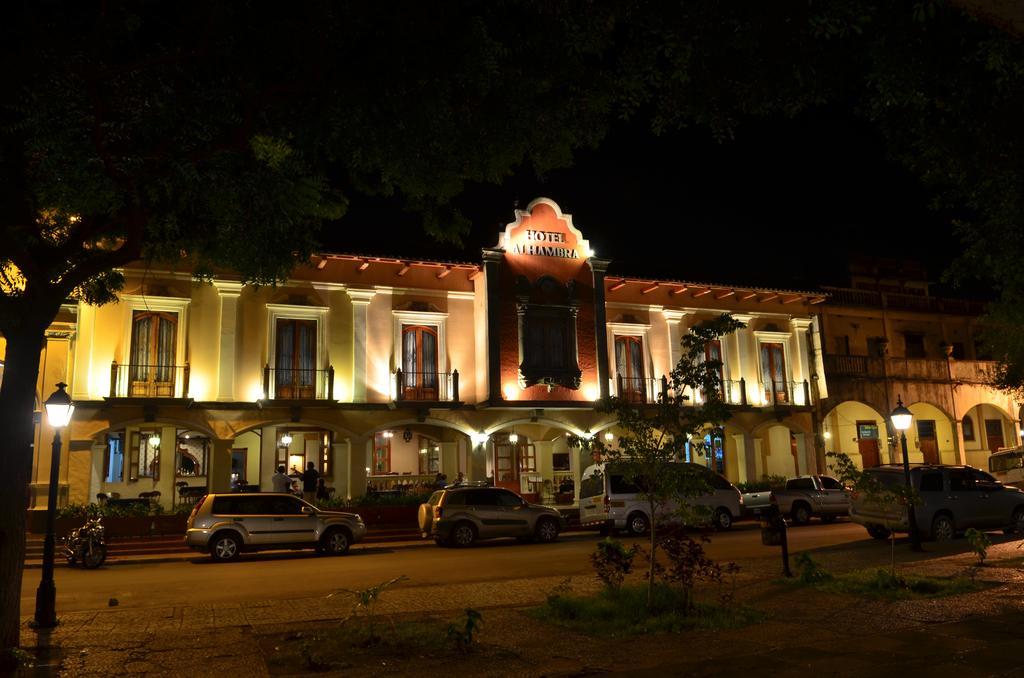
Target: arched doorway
(858,431)
(986,429)
(931,438)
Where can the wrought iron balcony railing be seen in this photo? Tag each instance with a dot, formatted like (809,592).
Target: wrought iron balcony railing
(426,386)
(288,383)
(148,381)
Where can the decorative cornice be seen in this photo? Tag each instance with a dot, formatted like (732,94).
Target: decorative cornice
(360,297)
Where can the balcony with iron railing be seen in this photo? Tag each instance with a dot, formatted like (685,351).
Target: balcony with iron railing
(646,391)
(289,383)
(845,296)
(426,386)
(148,381)
(909,369)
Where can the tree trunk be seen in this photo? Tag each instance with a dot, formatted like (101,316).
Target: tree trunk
(650,572)
(17,393)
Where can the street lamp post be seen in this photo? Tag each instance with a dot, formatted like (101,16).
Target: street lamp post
(58,413)
(901,418)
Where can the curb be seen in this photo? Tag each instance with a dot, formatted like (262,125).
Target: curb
(194,555)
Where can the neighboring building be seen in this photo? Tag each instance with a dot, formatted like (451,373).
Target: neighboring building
(385,372)
(886,338)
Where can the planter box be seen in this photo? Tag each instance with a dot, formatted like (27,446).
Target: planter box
(142,526)
(377,516)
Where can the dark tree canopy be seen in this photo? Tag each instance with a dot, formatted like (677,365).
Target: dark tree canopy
(229,133)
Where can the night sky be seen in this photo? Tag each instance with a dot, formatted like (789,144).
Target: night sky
(783,204)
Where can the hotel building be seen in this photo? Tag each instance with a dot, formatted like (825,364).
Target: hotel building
(384,372)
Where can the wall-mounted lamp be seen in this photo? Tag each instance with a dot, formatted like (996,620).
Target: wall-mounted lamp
(154,440)
(286,440)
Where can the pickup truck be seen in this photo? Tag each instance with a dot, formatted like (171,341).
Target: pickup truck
(802,498)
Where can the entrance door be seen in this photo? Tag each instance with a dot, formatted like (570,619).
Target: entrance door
(238,459)
(629,369)
(994,434)
(867,443)
(295,366)
(154,339)
(927,440)
(419,362)
(773,373)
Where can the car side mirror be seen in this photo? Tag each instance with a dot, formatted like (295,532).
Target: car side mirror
(308,510)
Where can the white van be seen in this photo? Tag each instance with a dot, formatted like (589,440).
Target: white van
(607,500)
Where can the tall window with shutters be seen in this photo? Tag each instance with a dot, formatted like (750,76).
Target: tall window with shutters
(773,373)
(419,362)
(713,353)
(295,359)
(629,369)
(151,365)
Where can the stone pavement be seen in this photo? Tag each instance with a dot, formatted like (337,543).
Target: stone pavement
(807,632)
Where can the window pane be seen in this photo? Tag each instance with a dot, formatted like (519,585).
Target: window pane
(931,482)
(961,481)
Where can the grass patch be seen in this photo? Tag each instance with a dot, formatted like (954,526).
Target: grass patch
(884,585)
(624,612)
(1006,562)
(350,645)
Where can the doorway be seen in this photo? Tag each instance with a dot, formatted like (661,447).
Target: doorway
(867,443)
(927,440)
(994,434)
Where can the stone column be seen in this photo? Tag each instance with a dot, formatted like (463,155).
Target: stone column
(268,457)
(477,469)
(739,445)
(357,463)
(449,459)
(99,452)
(228,292)
(360,308)
(218,474)
(800,327)
(746,368)
(675,335)
(598,267)
(492,274)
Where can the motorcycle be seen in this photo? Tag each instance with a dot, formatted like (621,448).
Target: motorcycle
(87,544)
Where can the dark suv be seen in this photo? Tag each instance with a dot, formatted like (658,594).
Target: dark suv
(952,499)
(458,516)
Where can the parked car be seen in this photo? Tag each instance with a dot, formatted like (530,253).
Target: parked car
(952,499)
(225,525)
(459,516)
(609,501)
(802,498)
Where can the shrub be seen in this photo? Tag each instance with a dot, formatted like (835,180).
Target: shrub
(979,543)
(766,483)
(463,638)
(688,563)
(612,562)
(811,572)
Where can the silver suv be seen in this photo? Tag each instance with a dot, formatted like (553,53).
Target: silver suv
(458,516)
(952,499)
(224,525)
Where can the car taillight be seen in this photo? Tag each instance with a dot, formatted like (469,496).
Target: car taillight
(437,513)
(199,505)
(772,499)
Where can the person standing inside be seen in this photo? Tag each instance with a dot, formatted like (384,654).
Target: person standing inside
(281,482)
(309,478)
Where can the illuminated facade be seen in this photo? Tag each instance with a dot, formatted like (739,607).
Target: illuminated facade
(885,337)
(385,372)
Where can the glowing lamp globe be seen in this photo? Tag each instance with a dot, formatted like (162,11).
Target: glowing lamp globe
(59,407)
(901,417)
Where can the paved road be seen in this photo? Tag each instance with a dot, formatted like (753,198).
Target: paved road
(301,574)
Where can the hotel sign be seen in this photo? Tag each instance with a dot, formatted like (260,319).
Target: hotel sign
(542,230)
(544,244)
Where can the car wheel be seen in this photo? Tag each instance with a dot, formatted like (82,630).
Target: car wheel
(225,547)
(801,514)
(463,535)
(723,519)
(1016,525)
(335,542)
(943,528)
(547,530)
(638,524)
(878,532)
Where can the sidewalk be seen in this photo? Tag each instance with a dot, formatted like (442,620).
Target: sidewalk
(166,550)
(807,633)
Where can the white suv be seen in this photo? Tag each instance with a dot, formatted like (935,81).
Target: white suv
(224,525)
